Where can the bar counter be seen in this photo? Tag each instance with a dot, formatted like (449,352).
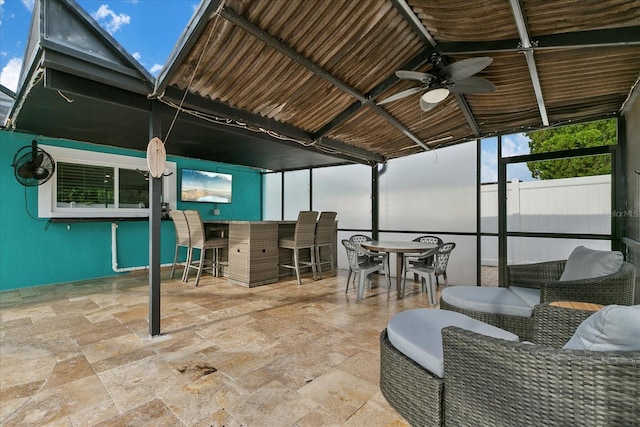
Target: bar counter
(253,254)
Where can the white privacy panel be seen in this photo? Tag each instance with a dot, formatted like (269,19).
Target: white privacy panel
(434,191)
(272,196)
(297,193)
(345,190)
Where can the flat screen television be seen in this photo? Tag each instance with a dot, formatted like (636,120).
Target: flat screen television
(204,186)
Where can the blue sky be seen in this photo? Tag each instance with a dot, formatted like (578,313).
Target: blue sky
(147,29)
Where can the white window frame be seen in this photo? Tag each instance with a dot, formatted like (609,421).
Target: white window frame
(47,192)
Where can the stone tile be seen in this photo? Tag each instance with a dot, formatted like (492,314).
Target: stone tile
(281,354)
(140,382)
(55,403)
(152,413)
(339,392)
(271,405)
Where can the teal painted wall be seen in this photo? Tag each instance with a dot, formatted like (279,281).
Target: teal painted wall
(34,252)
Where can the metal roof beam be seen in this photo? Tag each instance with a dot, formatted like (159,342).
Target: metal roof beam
(620,37)
(210,107)
(271,41)
(415,23)
(416,62)
(408,14)
(516,8)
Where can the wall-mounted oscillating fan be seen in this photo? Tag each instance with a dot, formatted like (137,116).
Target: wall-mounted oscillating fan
(33,166)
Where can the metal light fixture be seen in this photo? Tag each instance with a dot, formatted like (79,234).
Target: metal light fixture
(436,95)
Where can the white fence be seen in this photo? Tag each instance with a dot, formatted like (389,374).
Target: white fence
(570,205)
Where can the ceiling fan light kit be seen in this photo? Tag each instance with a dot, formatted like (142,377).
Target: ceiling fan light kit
(433,96)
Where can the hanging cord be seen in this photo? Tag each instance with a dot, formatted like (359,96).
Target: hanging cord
(195,70)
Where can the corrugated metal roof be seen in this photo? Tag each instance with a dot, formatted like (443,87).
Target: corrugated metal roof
(363,43)
(284,84)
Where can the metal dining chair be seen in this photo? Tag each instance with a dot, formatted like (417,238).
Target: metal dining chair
(361,264)
(203,244)
(303,239)
(183,240)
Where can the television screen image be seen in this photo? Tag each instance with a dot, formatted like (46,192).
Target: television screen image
(203,186)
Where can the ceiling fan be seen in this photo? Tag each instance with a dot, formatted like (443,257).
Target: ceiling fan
(457,77)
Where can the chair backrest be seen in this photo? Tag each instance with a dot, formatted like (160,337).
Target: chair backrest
(442,257)
(325,227)
(196,228)
(360,238)
(352,254)
(305,232)
(183,237)
(433,240)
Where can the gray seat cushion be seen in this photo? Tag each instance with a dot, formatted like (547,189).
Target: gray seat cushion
(417,334)
(487,300)
(531,296)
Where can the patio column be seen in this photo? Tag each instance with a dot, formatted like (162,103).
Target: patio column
(155,189)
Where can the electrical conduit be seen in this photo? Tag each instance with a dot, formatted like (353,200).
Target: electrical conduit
(114,253)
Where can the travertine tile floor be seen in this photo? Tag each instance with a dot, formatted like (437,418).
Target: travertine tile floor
(277,355)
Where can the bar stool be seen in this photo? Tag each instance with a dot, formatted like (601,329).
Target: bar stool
(183,240)
(199,241)
(303,238)
(324,238)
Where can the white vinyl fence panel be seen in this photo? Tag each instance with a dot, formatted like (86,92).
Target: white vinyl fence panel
(569,205)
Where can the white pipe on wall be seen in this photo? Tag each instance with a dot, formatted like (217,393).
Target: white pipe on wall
(114,253)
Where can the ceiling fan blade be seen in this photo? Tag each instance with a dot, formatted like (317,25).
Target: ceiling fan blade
(402,94)
(462,69)
(472,85)
(415,75)
(426,106)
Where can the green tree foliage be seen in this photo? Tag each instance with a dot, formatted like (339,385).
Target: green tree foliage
(592,134)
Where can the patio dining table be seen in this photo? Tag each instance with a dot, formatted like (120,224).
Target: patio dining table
(400,248)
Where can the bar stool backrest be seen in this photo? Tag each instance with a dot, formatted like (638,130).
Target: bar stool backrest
(325,226)
(183,237)
(305,232)
(196,228)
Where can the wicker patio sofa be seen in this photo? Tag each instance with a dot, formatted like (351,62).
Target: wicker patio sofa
(490,381)
(617,288)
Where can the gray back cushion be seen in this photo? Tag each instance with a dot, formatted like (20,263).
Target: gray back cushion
(613,328)
(585,263)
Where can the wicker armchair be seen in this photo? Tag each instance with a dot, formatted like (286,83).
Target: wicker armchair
(489,381)
(495,382)
(616,288)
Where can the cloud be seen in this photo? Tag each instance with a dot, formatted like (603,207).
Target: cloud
(136,55)
(27,3)
(10,74)
(110,20)
(155,69)
(515,145)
